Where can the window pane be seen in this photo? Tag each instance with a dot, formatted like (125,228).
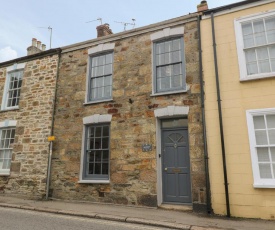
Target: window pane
(105,143)
(97,143)
(167,58)
(263,155)
(105,131)
(98,156)
(98,131)
(168,46)
(247,28)
(168,70)
(105,168)
(107,91)
(248,41)
(177,69)
(261,137)
(99,82)
(272,151)
(108,69)
(176,45)
(176,56)
(250,55)
(252,68)
(176,81)
(262,53)
(259,32)
(108,80)
(270,29)
(90,168)
(94,61)
(264,66)
(271,135)
(97,168)
(259,122)
(265,171)
(109,58)
(270,120)
(101,60)
(160,59)
(105,156)
(160,48)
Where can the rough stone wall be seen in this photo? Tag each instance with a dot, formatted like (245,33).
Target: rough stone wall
(133,177)
(31,148)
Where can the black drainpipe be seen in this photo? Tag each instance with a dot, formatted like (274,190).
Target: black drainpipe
(220,118)
(52,128)
(207,181)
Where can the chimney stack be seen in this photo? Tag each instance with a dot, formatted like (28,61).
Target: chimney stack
(35,47)
(202,6)
(103,30)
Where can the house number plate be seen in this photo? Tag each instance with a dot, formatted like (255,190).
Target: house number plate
(146,147)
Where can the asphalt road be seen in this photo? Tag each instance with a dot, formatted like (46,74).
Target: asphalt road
(15,219)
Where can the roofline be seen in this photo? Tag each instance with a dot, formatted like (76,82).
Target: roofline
(130,33)
(31,57)
(230,6)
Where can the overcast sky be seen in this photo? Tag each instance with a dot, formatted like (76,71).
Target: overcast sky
(20,20)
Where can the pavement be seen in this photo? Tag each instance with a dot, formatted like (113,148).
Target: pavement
(138,215)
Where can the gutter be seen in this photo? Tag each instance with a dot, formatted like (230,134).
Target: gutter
(206,158)
(31,57)
(220,117)
(52,129)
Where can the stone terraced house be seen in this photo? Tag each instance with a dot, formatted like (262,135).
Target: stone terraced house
(128,119)
(27,90)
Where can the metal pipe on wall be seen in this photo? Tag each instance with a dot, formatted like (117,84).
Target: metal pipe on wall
(207,180)
(220,117)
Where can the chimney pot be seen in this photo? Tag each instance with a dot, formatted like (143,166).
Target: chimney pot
(103,30)
(202,6)
(43,47)
(39,44)
(34,40)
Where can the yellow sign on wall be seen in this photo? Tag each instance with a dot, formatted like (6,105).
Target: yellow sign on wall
(51,138)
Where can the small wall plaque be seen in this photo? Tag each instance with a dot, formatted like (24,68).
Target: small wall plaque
(146,147)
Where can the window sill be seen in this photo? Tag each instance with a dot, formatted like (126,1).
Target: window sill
(168,93)
(264,185)
(96,102)
(9,109)
(94,181)
(257,77)
(4,173)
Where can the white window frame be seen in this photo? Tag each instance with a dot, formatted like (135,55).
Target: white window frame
(163,35)
(93,52)
(7,124)
(10,69)
(240,46)
(95,119)
(258,182)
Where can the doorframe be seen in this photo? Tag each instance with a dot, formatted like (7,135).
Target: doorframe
(160,114)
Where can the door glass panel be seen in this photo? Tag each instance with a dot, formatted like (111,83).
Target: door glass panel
(182,122)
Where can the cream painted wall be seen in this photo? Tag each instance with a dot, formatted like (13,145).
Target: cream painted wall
(237,97)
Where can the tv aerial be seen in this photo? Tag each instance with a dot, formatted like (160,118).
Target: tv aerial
(128,23)
(51,32)
(98,19)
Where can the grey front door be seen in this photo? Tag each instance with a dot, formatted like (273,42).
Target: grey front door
(176,166)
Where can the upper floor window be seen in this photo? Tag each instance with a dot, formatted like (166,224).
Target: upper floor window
(12,88)
(261,127)
(168,61)
(169,65)
(100,79)
(256,45)
(100,73)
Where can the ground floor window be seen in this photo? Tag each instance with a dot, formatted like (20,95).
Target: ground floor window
(261,126)
(6,139)
(97,138)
